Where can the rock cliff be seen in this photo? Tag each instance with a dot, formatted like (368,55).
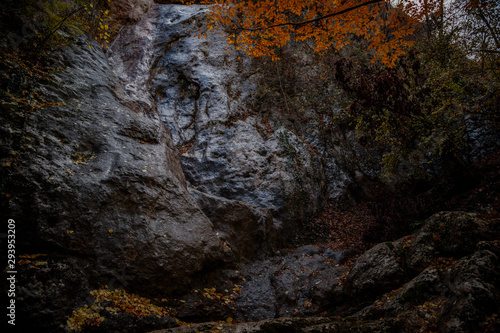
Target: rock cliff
(151,171)
(203,93)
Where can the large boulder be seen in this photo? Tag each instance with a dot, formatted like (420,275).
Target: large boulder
(446,234)
(374,272)
(93,177)
(443,235)
(247,232)
(448,296)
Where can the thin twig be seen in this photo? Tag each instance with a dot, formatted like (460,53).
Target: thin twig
(57,27)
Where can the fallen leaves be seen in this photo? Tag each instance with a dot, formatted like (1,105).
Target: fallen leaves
(347,228)
(120,300)
(32,256)
(25,260)
(212,294)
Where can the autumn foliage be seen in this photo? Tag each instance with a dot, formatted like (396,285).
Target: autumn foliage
(260,27)
(116,302)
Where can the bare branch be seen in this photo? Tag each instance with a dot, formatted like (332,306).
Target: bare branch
(56,28)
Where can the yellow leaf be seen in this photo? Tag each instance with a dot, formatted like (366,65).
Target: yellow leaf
(23,262)
(32,256)
(110,231)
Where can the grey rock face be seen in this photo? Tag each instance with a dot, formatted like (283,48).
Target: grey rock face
(445,234)
(105,181)
(203,95)
(456,293)
(378,269)
(302,283)
(481,138)
(130,11)
(247,232)
(158,63)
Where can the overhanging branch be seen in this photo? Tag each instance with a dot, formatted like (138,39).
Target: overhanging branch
(317,19)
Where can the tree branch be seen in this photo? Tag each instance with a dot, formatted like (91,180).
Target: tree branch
(317,19)
(56,27)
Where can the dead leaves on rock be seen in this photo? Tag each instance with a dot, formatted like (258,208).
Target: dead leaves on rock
(121,301)
(25,260)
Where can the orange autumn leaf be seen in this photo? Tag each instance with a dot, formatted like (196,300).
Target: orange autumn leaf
(263,26)
(32,256)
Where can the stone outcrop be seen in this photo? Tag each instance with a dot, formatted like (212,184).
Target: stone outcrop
(247,232)
(376,271)
(97,177)
(444,235)
(130,11)
(203,94)
(456,291)
(300,283)
(100,178)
